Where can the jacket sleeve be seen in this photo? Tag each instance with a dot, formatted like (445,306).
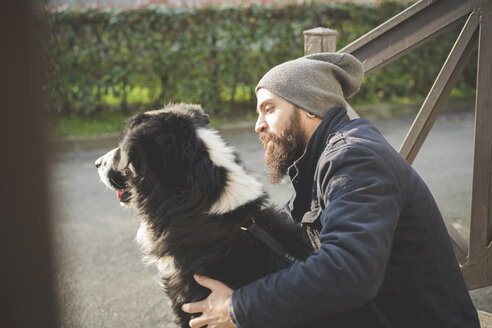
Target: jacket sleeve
(362,205)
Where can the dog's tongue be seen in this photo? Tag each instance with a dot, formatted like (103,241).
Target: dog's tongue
(122,196)
(120,192)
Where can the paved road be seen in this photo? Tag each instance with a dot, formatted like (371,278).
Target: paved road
(101,280)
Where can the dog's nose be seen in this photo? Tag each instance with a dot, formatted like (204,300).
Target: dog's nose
(98,162)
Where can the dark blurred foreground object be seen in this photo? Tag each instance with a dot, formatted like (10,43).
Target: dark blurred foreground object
(26,293)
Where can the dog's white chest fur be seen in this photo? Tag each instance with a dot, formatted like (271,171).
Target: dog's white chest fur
(145,239)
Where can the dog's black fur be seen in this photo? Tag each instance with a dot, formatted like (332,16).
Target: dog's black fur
(165,171)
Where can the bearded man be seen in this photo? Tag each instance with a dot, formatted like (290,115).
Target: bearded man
(384,257)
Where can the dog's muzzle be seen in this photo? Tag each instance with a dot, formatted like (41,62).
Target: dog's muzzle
(111,177)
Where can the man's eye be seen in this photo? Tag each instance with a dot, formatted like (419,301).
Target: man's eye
(269,109)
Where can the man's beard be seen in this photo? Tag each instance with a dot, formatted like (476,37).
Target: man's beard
(282,150)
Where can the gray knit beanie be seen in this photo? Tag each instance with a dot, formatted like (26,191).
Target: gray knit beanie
(315,82)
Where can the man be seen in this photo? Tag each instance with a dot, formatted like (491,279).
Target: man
(384,258)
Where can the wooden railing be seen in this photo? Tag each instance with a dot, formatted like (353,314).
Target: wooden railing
(401,34)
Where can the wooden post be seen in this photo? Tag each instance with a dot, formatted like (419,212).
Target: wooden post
(322,39)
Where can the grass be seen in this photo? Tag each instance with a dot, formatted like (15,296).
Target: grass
(66,127)
(107,122)
(84,126)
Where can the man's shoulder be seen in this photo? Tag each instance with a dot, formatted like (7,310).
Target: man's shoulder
(361,137)
(358,148)
(358,135)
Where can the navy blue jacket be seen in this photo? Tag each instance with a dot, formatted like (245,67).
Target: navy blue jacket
(385,257)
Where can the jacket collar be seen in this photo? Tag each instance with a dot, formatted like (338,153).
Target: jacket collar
(302,171)
(306,164)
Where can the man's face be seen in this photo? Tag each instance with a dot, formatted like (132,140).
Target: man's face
(280,131)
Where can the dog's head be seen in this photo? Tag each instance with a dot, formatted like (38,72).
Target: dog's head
(170,155)
(158,147)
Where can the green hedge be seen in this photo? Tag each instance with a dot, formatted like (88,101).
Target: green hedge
(143,58)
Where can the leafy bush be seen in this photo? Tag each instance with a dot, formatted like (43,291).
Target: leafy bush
(130,59)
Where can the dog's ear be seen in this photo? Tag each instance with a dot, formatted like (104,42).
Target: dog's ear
(199,117)
(131,158)
(142,151)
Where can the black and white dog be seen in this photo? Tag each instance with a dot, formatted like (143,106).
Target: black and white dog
(197,205)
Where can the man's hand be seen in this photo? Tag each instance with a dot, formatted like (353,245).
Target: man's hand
(215,308)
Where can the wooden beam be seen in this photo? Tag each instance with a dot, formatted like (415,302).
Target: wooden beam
(478,270)
(407,31)
(386,27)
(444,83)
(460,245)
(485,319)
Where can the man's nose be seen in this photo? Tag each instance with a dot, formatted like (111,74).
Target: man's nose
(261,125)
